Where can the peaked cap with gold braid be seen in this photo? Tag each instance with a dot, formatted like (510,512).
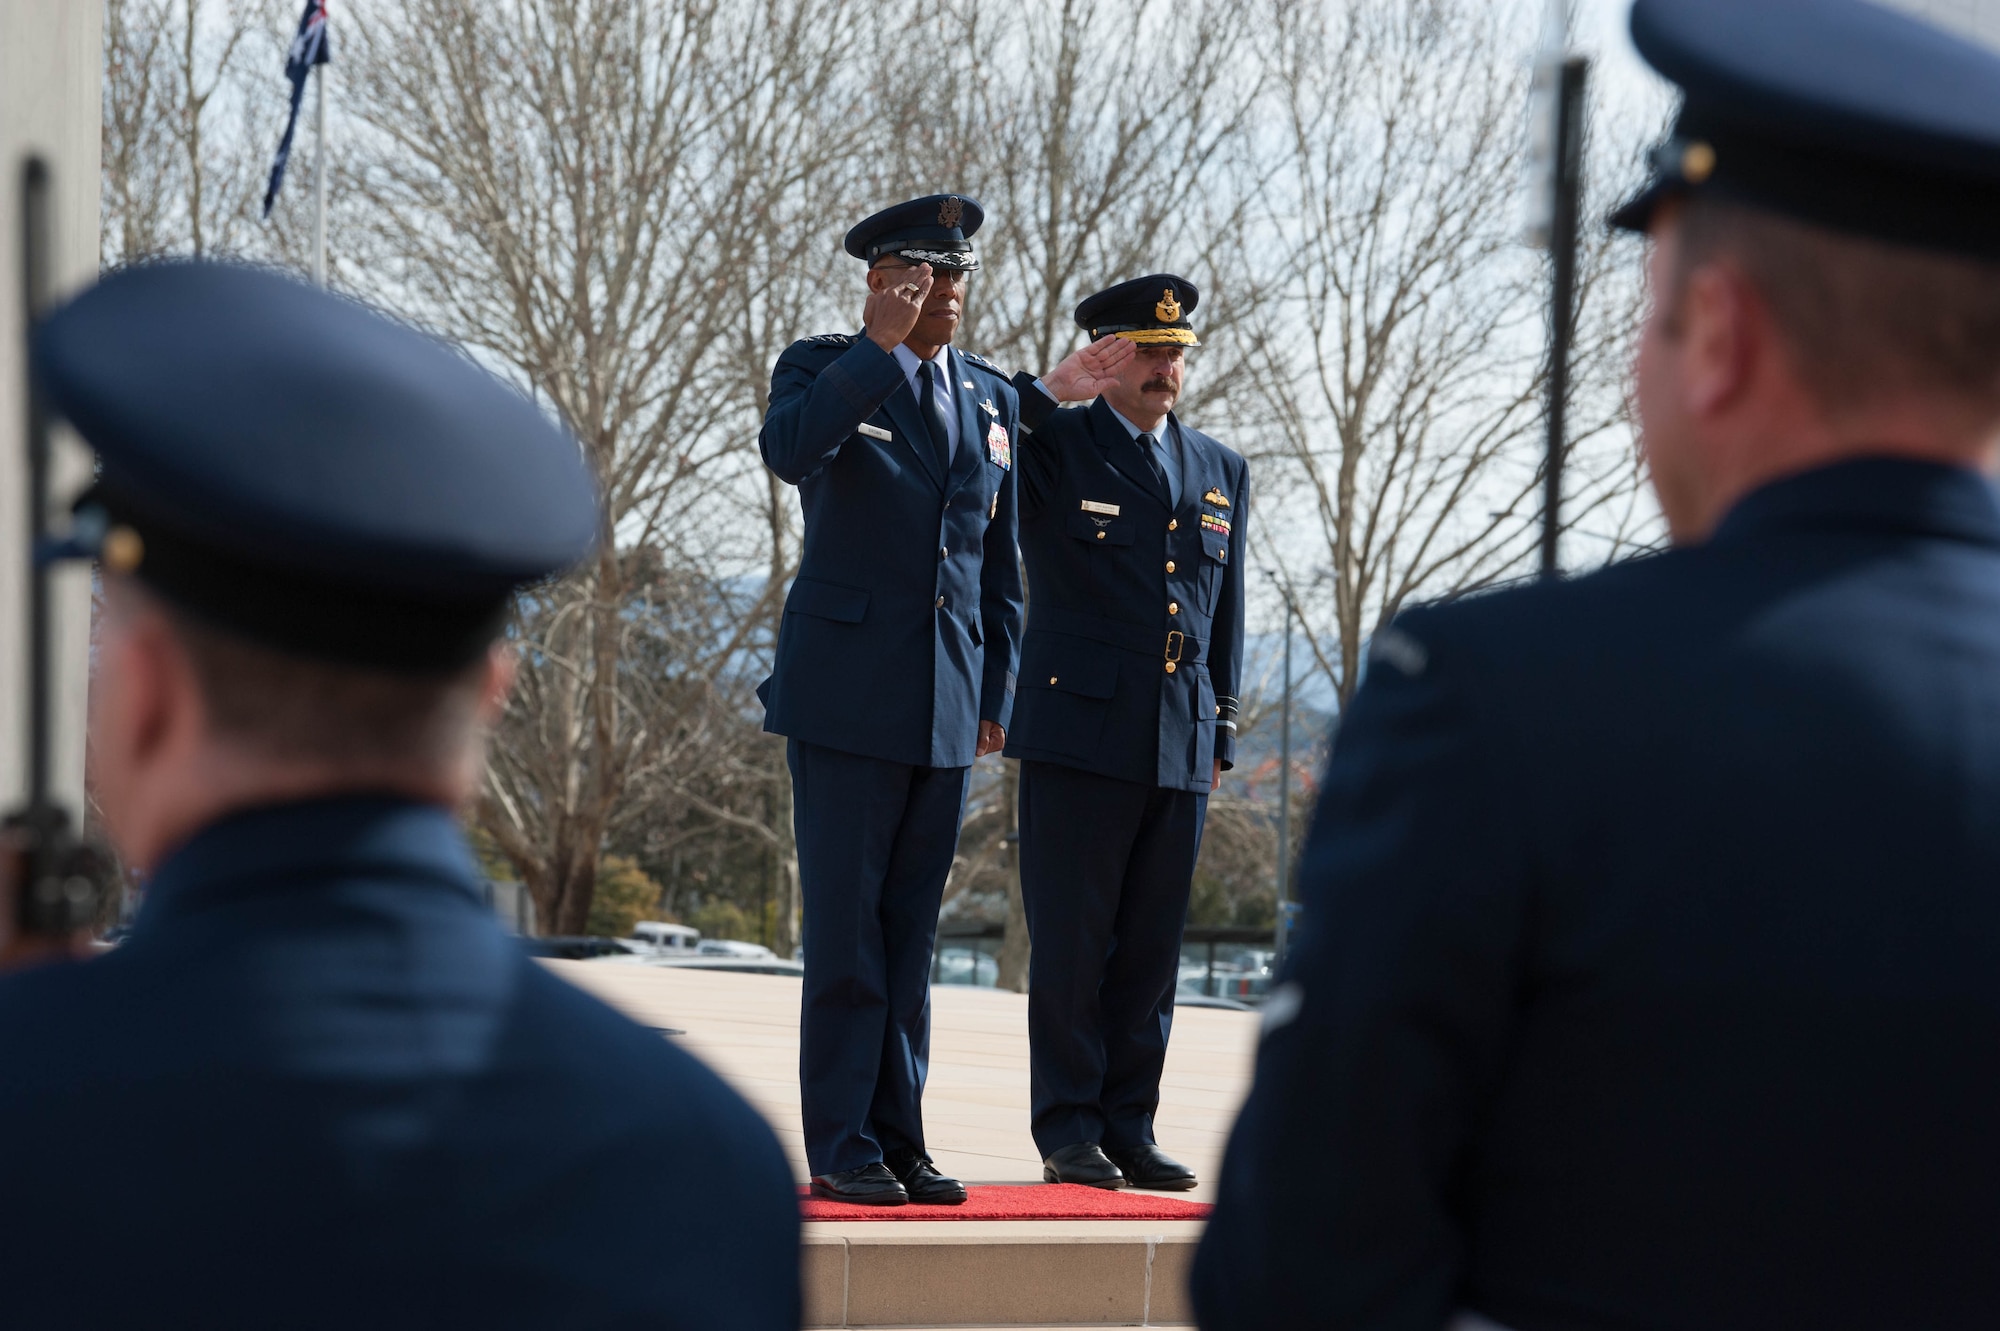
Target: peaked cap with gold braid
(1150,310)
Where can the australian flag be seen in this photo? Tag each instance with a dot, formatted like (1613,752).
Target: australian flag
(310,47)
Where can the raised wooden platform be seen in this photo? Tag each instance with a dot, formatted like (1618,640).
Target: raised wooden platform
(962,1273)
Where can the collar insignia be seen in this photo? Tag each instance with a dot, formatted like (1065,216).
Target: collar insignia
(1216,497)
(1168,309)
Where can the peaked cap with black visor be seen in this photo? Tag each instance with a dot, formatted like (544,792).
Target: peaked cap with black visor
(294,468)
(1838,113)
(1151,311)
(936,229)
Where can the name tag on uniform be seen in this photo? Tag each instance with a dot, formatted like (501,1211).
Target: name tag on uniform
(998,450)
(874,432)
(1092,506)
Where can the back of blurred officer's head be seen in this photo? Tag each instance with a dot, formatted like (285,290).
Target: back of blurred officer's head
(1825,272)
(1774,346)
(315,521)
(190,722)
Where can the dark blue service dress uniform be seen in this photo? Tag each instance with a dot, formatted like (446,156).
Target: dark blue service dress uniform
(1129,672)
(1650,969)
(899,637)
(319,1086)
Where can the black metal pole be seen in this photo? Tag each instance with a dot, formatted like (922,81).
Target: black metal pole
(1562,296)
(58,881)
(1285,795)
(34,300)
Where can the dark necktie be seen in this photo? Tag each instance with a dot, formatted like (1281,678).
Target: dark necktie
(933,408)
(1151,448)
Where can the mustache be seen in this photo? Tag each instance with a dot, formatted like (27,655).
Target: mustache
(1163,385)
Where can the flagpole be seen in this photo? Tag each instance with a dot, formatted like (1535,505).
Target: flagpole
(319,174)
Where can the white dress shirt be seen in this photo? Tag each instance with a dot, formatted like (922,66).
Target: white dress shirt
(1163,450)
(910,362)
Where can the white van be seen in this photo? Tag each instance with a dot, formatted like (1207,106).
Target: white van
(672,939)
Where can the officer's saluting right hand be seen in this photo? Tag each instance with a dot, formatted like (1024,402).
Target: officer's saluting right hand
(895,303)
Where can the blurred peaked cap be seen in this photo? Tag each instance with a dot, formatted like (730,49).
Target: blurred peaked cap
(936,229)
(309,473)
(1147,310)
(1840,113)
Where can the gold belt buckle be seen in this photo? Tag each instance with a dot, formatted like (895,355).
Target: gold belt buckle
(1175,641)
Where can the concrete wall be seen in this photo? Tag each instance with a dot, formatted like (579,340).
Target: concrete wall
(51,58)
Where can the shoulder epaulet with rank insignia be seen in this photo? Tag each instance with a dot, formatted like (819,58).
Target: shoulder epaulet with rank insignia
(983,363)
(831,340)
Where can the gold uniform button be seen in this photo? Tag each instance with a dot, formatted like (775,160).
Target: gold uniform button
(1173,524)
(1170,566)
(1173,607)
(1170,667)
(1100,536)
(940,604)
(1052,679)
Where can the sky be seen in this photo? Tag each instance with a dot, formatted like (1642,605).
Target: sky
(1616,69)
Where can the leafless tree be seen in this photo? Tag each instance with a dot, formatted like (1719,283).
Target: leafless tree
(631,206)
(1399,357)
(177,174)
(572,186)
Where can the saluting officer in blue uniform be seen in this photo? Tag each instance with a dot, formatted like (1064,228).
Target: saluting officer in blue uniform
(894,670)
(318,1085)
(1132,533)
(1650,974)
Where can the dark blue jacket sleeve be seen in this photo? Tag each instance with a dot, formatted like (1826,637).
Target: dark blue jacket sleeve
(1039,463)
(1383,1042)
(1225,653)
(1036,406)
(1000,600)
(814,410)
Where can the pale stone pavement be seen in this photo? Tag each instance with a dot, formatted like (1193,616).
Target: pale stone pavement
(976,1105)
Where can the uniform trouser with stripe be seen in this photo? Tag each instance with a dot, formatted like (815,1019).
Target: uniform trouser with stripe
(1106,866)
(875,841)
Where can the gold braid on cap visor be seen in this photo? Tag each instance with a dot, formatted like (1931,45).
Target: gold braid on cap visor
(1154,337)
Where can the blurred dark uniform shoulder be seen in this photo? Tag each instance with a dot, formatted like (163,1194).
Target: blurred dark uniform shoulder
(1650,965)
(319,1085)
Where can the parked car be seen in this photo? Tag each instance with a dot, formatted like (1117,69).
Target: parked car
(731,947)
(579,947)
(661,936)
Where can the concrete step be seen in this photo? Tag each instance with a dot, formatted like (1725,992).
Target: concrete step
(1011,1273)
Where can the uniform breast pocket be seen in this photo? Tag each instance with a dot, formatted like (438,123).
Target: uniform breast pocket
(1100,529)
(1214,564)
(1109,540)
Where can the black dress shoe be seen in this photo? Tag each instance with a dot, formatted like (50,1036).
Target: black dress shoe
(870,1185)
(1081,1163)
(921,1179)
(1150,1167)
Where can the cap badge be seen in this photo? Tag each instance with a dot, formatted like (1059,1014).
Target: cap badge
(1697,162)
(1168,309)
(951,210)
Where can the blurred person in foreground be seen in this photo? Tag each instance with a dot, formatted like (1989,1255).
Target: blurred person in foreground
(319,1085)
(1651,964)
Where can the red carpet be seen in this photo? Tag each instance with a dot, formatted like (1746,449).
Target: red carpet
(1037,1201)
